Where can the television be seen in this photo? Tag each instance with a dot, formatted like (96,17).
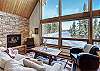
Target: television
(13,40)
(30,43)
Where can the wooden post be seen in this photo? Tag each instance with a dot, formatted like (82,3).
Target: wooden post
(40,26)
(90,25)
(60,24)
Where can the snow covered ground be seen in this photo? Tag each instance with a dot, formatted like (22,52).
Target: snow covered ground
(65,34)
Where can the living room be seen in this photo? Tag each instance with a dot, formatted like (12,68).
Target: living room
(54,33)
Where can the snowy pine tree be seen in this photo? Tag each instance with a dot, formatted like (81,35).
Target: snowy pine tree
(73,30)
(99,27)
(95,27)
(85,7)
(83,25)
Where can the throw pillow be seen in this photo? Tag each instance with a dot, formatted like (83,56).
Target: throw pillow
(12,52)
(34,65)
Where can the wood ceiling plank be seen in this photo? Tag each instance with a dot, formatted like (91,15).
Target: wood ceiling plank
(19,7)
(35,3)
(3,6)
(16,6)
(0,4)
(13,8)
(7,5)
(22,8)
(29,4)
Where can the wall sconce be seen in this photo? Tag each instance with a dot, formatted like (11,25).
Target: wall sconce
(35,30)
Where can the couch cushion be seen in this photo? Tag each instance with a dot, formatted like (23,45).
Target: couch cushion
(4,54)
(2,49)
(48,67)
(3,58)
(13,65)
(32,64)
(56,67)
(19,57)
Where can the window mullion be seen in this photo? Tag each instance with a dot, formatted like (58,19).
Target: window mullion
(60,25)
(90,33)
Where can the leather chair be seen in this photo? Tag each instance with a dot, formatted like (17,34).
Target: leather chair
(75,53)
(88,62)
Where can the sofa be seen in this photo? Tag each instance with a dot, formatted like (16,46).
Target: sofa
(24,63)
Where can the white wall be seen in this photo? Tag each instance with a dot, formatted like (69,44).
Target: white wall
(35,23)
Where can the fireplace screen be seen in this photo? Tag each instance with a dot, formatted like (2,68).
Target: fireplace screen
(13,40)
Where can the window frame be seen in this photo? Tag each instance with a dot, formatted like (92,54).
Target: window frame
(77,16)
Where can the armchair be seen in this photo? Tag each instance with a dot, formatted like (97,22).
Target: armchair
(88,62)
(76,52)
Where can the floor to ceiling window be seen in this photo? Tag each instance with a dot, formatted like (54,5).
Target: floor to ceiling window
(49,9)
(74,6)
(96,31)
(96,22)
(70,22)
(73,30)
(50,30)
(96,4)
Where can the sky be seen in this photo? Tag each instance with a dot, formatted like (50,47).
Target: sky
(68,7)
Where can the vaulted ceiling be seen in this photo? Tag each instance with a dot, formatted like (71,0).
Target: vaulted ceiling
(22,8)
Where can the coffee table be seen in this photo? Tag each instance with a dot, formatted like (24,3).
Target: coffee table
(50,52)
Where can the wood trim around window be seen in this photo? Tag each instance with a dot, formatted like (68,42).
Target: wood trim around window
(50,37)
(78,16)
(96,40)
(76,39)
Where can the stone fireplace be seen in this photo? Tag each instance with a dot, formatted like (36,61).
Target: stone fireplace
(13,24)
